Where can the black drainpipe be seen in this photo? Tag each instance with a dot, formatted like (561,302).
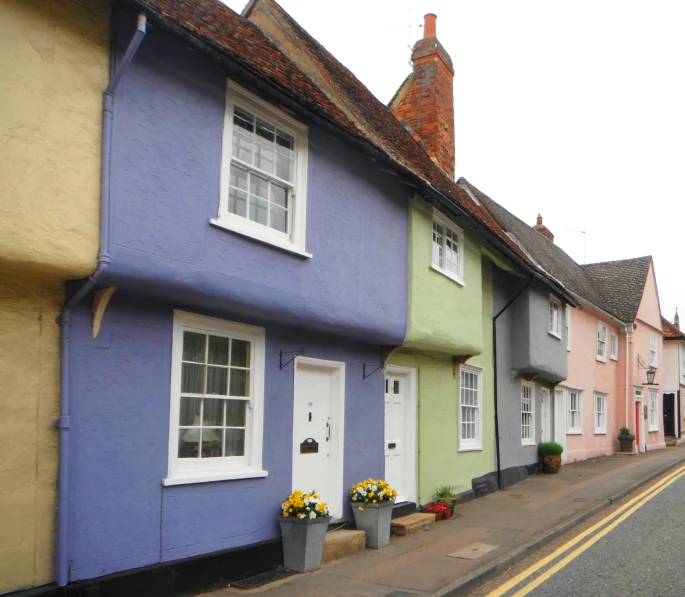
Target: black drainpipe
(494,356)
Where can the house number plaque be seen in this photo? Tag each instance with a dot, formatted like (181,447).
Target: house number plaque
(309,446)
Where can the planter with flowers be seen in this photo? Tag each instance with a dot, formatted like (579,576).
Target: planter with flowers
(304,521)
(439,509)
(372,502)
(626,439)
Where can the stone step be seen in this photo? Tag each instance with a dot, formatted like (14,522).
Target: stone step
(412,523)
(341,544)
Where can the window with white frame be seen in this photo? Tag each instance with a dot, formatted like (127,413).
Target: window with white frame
(614,347)
(527,413)
(601,342)
(575,411)
(264,172)
(554,316)
(653,410)
(471,413)
(448,248)
(217,395)
(567,312)
(653,358)
(600,413)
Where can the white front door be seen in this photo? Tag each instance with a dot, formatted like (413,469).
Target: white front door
(546,427)
(318,430)
(399,433)
(560,419)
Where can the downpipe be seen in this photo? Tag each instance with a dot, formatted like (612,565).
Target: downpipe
(64,319)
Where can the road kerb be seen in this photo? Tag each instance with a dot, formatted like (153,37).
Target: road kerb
(472,581)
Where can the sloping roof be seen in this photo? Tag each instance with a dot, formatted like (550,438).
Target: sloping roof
(212,24)
(671,332)
(621,283)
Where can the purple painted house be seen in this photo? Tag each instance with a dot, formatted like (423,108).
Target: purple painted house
(259,261)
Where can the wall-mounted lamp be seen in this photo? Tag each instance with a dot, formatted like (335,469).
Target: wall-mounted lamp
(650,372)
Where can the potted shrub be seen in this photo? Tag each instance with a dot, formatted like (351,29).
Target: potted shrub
(626,439)
(304,521)
(550,456)
(439,509)
(445,494)
(372,502)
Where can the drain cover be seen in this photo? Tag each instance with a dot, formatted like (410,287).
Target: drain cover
(473,551)
(262,579)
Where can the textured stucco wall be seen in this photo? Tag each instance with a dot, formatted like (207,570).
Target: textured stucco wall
(439,460)
(588,374)
(29,398)
(54,64)
(122,517)
(443,316)
(168,126)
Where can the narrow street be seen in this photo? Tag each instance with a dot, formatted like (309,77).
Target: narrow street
(632,551)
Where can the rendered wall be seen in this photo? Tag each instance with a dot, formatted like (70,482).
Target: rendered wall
(439,460)
(443,316)
(588,374)
(122,517)
(168,127)
(29,399)
(55,66)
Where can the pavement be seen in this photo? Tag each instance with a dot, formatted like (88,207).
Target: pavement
(496,531)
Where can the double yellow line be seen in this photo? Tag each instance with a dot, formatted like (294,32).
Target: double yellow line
(619,515)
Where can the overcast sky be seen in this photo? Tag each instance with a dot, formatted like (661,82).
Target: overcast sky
(575,110)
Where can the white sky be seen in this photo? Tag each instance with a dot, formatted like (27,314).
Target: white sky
(575,110)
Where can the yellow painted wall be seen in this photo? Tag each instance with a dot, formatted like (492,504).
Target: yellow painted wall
(29,402)
(54,60)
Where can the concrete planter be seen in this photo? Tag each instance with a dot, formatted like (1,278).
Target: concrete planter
(626,445)
(374,520)
(303,540)
(551,464)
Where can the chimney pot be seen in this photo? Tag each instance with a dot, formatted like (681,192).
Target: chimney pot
(539,220)
(429,28)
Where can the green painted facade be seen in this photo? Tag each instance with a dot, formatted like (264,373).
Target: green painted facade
(447,320)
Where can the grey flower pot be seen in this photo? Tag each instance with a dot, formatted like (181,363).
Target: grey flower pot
(374,520)
(303,540)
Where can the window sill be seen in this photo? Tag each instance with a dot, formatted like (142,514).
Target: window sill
(614,358)
(600,432)
(187,479)
(653,430)
(447,275)
(528,443)
(599,360)
(554,335)
(471,449)
(574,433)
(283,246)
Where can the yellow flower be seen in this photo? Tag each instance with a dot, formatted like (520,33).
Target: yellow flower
(370,493)
(361,508)
(285,515)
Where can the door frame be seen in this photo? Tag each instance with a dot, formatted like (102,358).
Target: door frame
(561,417)
(337,444)
(546,413)
(410,422)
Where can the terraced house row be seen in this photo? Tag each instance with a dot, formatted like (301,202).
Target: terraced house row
(229,271)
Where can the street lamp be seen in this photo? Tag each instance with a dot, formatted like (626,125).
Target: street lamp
(650,377)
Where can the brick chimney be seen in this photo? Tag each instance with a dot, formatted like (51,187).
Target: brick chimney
(426,99)
(542,229)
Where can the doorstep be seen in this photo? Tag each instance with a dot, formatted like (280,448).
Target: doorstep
(341,544)
(406,525)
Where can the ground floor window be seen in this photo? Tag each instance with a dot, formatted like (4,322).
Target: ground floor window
(600,413)
(653,410)
(575,411)
(471,404)
(527,413)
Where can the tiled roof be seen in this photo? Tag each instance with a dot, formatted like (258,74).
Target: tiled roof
(621,283)
(209,23)
(671,332)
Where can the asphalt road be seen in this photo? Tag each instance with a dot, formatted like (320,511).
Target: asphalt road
(644,556)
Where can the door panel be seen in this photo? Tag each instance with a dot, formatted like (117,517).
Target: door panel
(669,414)
(394,435)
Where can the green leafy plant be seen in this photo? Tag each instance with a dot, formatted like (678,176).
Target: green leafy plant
(624,433)
(446,495)
(549,449)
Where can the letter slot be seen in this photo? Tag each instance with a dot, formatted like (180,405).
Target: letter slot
(309,446)
(392,446)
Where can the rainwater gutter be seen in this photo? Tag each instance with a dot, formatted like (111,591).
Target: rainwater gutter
(62,564)
(494,358)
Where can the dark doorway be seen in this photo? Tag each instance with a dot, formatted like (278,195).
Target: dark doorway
(669,414)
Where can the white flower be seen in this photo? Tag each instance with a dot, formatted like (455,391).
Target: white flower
(312,515)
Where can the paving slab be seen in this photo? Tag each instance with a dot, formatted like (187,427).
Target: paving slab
(516,521)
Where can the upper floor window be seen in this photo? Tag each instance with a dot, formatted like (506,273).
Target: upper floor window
(575,411)
(471,409)
(614,347)
(448,248)
(217,395)
(653,360)
(601,342)
(554,316)
(264,172)
(527,413)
